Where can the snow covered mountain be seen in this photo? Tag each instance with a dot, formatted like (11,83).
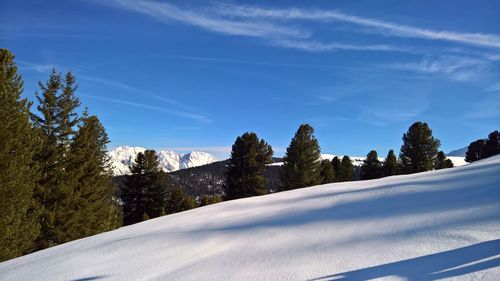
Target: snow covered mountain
(458,152)
(123,156)
(434,225)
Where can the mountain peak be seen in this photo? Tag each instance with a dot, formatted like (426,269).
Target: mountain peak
(123,156)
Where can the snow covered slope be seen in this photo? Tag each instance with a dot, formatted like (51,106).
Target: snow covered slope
(433,225)
(170,161)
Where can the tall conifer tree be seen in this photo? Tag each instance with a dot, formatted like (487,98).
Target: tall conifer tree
(18,172)
(371,168)
(245,171)
(419,149)
(346,169)
(302,165)
(145,192)
(391,165)
(327,171)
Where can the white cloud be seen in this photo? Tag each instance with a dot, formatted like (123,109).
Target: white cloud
(452,67)
(36,67)
(384,27)
(316,46)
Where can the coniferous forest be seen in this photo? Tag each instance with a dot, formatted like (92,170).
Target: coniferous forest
(57,185)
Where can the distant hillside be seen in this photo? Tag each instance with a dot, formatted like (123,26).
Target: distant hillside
(458,152)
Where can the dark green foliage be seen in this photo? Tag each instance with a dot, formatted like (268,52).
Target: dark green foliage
(18,173)
(337,168)
(92,207)
(441,162)
(145,189)
(492,145)
(419,149)
(327,172)
(178,201)
(483,148)
(56,125)
(475,151)
(346,169)
(302,166)
(391,165)
(371,168)
(210,199)
(246,167)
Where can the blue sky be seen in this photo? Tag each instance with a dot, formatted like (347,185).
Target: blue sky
(193,75)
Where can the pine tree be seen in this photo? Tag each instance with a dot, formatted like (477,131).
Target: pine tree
(492,144)
(475,151)
(178,201)
(145,191)
(245,171)
(371,168)
(337,168)
(347,169)
(302,166)
(56,126)
(441,162)
(210,199)
(419,149)
(391,165)
(18,172)
(327,173)
(92,208)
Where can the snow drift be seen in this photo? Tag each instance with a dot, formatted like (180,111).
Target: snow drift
(433,225)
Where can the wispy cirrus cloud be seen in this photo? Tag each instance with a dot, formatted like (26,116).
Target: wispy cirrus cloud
(36,67)
(452,67)
(218,19)
(386,28)
(193,116)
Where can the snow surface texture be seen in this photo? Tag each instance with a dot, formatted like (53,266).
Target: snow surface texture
(435,225)
(122,157)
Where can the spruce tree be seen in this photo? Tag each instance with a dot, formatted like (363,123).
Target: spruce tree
(327,173)
(347,169)
(371,167)
(302,166)
(441,162)
(391,165)
(337,168)
(18,172)
(419,149)
(246,167)
(56,123)
(93,206)
(145,189)
(210,199)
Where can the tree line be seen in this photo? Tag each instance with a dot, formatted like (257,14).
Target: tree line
(303,166)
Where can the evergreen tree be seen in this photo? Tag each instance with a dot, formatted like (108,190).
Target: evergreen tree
(246,167)
(492,144)
(419,149)
(391,165)
(337,168)
(178,201)
(371,168)
(475,151)
(327,173)
(56,125)
(302,166)
(92,208)
(18,172)
(145,192)
(347,169)
(441,162)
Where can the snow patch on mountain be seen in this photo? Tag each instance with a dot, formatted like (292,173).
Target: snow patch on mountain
(122,157)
